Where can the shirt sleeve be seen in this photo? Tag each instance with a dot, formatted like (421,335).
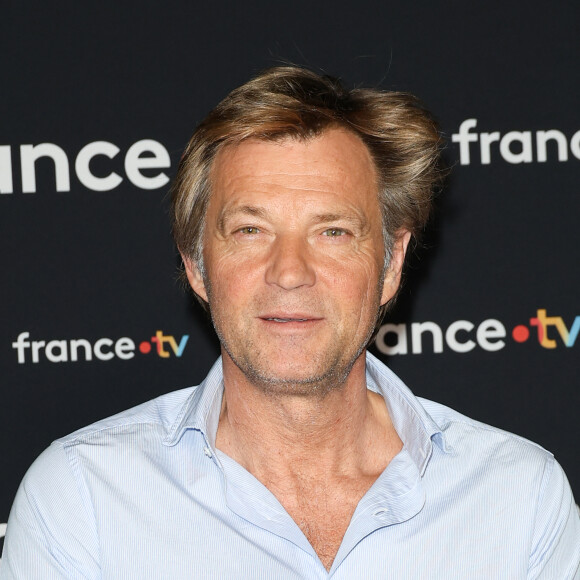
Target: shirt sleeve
(51,534)
(556,541)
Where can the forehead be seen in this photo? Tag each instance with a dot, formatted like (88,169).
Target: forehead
(336,163)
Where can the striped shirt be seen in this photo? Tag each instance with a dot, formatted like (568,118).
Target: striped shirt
(145,494)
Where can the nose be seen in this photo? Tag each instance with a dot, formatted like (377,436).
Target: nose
(290,263)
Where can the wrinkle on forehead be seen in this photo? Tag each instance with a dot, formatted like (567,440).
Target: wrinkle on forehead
(300,165)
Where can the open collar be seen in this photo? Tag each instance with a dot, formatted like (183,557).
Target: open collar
(416,428)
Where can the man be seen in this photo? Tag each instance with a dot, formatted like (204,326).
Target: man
(300,456)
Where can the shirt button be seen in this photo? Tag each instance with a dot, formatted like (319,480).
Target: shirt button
(208,452)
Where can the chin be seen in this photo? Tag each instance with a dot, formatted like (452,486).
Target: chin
(295,380)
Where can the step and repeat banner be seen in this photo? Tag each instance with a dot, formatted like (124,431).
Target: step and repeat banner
(97,102)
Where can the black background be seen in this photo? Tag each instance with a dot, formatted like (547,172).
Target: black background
(87,264)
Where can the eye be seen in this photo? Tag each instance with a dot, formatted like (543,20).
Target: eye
(333,232)
(249,230)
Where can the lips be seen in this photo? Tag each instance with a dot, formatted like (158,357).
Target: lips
(287,319)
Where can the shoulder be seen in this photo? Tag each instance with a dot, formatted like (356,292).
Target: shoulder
(517,483)
(53,516)
(481,461)
(104,444)
(57,479)
(464,435)
(461,439)
(158,415)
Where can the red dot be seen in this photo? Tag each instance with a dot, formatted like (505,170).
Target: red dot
(521,333)
(145,347)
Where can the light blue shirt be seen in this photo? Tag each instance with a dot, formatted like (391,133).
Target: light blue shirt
(146,495)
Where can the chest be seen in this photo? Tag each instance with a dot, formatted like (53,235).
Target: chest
(323,513)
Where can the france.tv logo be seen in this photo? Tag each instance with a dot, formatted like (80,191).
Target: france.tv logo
(104,349)
(463,336)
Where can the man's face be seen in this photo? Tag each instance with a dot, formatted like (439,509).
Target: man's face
(294,259)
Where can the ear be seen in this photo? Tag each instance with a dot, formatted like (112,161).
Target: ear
(194,277)
(395,269)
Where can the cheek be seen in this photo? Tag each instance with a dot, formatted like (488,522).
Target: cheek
(354,282)
(232,283)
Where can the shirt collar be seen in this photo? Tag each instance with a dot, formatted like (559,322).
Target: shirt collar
(413,424)
(202,408)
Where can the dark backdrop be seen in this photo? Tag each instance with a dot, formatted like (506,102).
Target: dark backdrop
(85,264)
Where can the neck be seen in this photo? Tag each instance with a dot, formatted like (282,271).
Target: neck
(346,429)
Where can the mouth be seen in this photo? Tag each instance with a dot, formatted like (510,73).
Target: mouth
(284,324)
(290,319)
(275,319)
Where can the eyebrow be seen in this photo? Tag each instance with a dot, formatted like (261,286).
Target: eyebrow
(249,210)
(336,217)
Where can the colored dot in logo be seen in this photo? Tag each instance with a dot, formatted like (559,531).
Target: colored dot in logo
(521,333)
(145,347)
